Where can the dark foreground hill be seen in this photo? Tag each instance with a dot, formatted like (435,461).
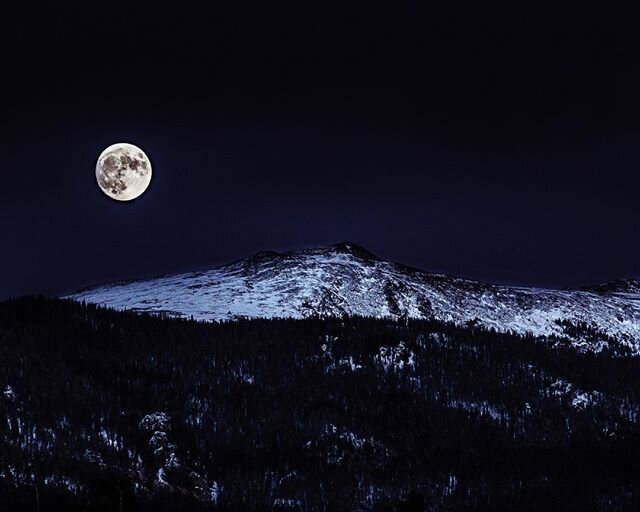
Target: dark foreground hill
(103,410)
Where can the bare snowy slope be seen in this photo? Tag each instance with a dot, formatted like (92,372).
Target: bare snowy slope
(347,279)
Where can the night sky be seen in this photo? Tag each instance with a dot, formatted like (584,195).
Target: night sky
(499,145)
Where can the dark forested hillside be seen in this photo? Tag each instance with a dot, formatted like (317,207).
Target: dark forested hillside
(103,410)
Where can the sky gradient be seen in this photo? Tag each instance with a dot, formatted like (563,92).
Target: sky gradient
(501,146)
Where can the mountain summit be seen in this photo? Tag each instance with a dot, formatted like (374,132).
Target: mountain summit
(346,279)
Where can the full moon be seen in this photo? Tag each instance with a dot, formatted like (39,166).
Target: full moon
(123,171)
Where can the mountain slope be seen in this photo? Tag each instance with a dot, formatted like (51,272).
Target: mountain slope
(346,279)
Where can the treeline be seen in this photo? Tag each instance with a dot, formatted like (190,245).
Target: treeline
(105,410)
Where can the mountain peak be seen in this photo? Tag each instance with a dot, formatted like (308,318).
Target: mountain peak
(264,256)
(355,250)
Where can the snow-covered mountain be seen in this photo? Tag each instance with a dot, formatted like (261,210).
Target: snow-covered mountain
(347,279)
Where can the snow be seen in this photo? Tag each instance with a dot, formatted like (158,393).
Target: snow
(157,421)
(109,438)
(287,503)
(578,398)
(337,442)
(482,408)
(160,478)
(9,393)
(350,363)
(158,440)
(396,358)
(338,280)
(215,492)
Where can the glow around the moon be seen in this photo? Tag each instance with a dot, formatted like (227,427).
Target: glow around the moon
(123,171)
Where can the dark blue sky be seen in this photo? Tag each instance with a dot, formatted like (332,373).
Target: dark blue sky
(500,145)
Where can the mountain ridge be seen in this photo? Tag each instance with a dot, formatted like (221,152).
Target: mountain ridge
(347,279)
